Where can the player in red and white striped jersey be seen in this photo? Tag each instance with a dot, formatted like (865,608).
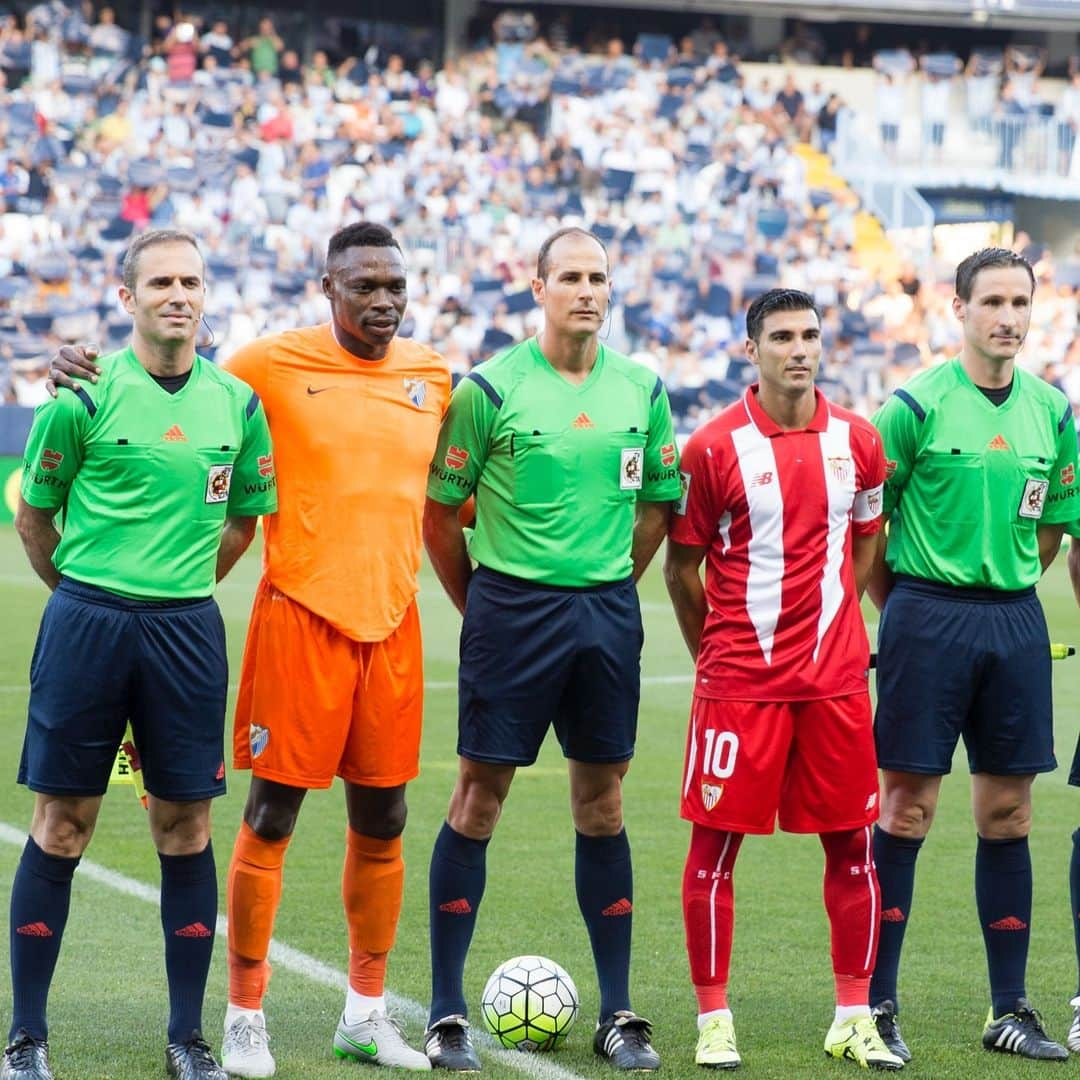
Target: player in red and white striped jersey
(782,497)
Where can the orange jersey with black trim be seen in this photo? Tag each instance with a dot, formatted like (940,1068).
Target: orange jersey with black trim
(352,443)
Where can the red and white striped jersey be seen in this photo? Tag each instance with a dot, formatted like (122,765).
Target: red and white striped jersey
(775,509)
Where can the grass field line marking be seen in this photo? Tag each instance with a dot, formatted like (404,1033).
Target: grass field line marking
(299,963)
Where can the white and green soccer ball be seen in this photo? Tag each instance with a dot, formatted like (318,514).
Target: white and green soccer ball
(529,1003)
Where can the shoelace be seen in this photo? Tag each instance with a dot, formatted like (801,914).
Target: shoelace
(455,1036)
(1032,1017)
(636,1031)
(200,1052)
(21,1052)
(255,1036)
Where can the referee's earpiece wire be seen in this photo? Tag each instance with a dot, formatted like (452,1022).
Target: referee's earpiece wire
(606,324)
(211,329)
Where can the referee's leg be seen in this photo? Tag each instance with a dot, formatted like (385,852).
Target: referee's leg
(604,876)
(1003,881)
(40,897)
(908,803)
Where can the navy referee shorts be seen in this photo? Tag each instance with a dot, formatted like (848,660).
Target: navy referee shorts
(970,663)
(535,656)
(103,659)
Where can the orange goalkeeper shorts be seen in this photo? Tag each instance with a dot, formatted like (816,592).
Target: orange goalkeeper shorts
(314,704)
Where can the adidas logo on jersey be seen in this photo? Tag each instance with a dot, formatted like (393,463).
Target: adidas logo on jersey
(1010,922)
(583,421)
(620,907)
(174,434)
(998,443)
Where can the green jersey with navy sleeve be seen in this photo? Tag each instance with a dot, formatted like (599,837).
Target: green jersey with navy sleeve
(557,467)
(146,478)
(968,482)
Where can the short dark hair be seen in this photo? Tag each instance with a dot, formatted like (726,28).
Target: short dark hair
(776,300)
(360,234)
(983,259)
(543,256)
(129,273)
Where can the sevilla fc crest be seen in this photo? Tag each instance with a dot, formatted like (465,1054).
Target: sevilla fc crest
(710,794)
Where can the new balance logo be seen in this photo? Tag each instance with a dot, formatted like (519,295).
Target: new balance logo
(1010,922)
(174,434)
(195,930)
(620,907)
(761,479)
(583,421)
(457,907)
(997,443)
(893,914)
(34,929)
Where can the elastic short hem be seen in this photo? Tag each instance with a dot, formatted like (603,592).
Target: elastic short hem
(215,793)
(829,827)
(1023,770)
(600,760)
(68,792)
(918,770)
(721,826)
(1074,780)
(491,759)
(307,783)
(382,781)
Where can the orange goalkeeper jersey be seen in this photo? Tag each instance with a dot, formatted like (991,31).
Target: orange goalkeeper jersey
(352,443)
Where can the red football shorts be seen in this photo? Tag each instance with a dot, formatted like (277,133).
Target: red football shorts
(810,762)
(314,704)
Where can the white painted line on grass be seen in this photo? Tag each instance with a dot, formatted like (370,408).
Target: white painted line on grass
(299,963)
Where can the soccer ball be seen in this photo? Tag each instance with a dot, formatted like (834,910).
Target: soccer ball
(529,1003)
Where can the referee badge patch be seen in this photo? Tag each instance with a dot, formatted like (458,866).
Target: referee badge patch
(218,483)
(630,469)
(1033,499)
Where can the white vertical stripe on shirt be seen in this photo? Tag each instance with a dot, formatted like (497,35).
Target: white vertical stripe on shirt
(691,757)
(839,464)
(765,551)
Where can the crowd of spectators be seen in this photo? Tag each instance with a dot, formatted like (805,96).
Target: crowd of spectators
(689,174)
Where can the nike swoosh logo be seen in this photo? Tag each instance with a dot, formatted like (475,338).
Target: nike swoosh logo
(368,1048)
(322,390)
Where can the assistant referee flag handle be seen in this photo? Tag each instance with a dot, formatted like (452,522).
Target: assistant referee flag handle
(1057,652)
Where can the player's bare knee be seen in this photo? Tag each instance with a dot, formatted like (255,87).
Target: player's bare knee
(1005,820)
(907,818)
(599,814)
(180,828)
(476,803)
(64,827)
(272,809)
(376,812)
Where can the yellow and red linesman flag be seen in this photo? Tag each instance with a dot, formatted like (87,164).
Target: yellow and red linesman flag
(127,768)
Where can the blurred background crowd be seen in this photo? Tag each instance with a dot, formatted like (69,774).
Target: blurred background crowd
(706,170)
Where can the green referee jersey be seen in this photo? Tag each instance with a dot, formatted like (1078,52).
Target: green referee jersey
(967,482)
(146,478)
(557,468)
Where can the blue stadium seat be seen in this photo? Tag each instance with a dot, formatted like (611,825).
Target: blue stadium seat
(617,183)
(772,222)
(517,302)
(717,302)
(117,229)
(653,47)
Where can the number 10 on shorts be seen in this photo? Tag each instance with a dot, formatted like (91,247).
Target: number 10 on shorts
(721,749)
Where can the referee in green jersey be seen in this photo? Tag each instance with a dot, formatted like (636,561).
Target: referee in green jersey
(569,449)
(159,469)
(980,480)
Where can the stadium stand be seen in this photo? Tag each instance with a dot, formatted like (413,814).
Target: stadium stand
(710,180)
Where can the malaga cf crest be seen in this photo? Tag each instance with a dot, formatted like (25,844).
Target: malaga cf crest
(258,737)
(416,390)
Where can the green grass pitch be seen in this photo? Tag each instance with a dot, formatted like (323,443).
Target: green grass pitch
(108,1003)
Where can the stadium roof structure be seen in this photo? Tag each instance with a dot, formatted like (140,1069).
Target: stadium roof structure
(1031,14)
